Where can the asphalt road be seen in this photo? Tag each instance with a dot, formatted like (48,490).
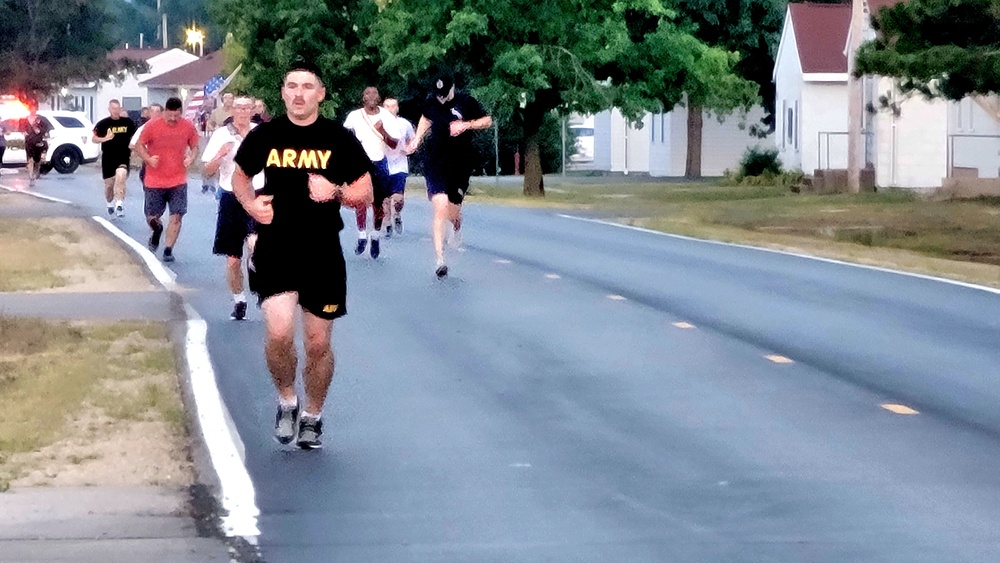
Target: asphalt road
(580,392)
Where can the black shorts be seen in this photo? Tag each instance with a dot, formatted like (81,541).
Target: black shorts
(232,227)
(451,181)
(157,200)
(380,182)
(318,276)
(112,164)
(35,153)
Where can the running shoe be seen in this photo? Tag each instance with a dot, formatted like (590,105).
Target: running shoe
(239,311)
(285,424)
(441,271)
(362,244)
(388,231)
(376,249)
(310,433)
(168,254)
(399,225)
(119,211)
(111,209)
(455,241)
(154,239)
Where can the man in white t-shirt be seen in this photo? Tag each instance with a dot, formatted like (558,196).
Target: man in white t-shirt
(154,112)
(234,228)
(399,169)
(375,127)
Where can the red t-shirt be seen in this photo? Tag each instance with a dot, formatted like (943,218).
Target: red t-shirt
(169,142)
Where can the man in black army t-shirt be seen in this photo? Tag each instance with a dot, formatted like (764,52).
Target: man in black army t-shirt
(449,156)
(114,134)
(311,165)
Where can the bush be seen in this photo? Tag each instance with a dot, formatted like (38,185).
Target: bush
(758,161)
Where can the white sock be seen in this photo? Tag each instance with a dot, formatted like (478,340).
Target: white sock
(240,297)
(316,416)
(375,235)
(362,235)
(120,203)
(287,403)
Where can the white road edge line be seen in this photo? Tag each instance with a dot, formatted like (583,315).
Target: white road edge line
(786,253)
(237,490)
(36,194)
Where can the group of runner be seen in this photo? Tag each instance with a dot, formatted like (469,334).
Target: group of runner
(282,186)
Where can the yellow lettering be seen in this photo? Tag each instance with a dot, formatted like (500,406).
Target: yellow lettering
(288,158)
(324,157)
(308,159)
(273,159)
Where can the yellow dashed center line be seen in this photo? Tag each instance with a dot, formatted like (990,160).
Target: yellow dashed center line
(779,359)
(552,276)
(615,297)
(898,409)
(683,325)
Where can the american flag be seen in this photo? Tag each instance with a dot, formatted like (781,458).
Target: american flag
(214,84)
(194,105)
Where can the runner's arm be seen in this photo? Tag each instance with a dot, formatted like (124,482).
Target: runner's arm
(422,128)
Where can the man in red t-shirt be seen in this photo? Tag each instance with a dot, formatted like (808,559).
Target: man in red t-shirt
(167,145)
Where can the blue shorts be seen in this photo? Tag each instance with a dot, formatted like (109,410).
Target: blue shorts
(380,181)
(397,183)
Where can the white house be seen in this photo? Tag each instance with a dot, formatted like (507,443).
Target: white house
(659,147)
(916,144)
(92,98)
(810,78)
(183,80)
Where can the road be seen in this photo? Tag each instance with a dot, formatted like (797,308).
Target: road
(580,392)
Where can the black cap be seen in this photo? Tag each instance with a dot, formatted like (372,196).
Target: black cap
(442,84)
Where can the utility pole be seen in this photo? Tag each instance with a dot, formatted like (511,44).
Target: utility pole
(855,100)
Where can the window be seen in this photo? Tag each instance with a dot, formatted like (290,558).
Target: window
(789,124)
(663,120)
(795,126)
(652,128)
(779,126)
(69,122)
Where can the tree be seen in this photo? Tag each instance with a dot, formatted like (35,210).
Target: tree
(939,49)
(751,28)
(569,56)
(267,35)
(48,44)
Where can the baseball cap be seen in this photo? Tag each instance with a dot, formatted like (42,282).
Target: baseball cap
(442,84)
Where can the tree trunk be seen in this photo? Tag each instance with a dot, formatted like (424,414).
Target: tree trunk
(692,168)
(534,184)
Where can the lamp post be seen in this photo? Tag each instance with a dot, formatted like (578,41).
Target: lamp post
(195,36)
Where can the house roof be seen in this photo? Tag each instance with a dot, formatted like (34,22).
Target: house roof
(820,35)
(195,73)
(136,54)
(875,5)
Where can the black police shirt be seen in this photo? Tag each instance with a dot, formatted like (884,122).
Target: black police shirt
(287,153)
(117,147)
(440,145)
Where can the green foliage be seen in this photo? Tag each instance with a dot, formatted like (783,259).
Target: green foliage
(47,44)
(749,30)
(272,33)
(758,161)
(940,49)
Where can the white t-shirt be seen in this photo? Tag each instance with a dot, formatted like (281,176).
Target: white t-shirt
(219,138)
(363,126)
(135,136)
(398,160)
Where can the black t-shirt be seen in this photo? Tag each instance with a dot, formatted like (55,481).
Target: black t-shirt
(123,129)
(287,153)
(34,134)
(440,145)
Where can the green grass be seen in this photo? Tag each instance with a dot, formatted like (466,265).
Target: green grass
(31,260)
(49,371)
(967,230)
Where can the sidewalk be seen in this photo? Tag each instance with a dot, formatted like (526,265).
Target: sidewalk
(151,524)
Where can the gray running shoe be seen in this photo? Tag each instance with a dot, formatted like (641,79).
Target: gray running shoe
(119,211)
(310,433)
(441,271)
(285,424)
(399,225)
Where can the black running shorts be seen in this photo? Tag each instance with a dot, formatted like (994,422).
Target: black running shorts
(232,227)
(318,276)
(158,199)
(109,165)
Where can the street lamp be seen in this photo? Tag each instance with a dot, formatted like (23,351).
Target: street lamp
(195,36)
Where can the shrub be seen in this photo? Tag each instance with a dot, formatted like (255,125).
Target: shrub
(759,161)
